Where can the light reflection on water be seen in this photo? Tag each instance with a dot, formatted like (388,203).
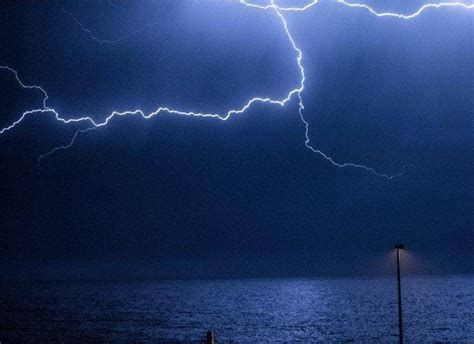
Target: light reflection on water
(278,310)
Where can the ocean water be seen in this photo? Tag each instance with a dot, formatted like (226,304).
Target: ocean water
(436,309)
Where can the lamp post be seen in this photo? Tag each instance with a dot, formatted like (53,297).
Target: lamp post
(399,247)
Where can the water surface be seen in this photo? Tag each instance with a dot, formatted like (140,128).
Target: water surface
(436,309)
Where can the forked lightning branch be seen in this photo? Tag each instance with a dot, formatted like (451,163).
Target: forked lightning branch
(295,91)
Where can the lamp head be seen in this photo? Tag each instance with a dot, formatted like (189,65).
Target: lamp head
(399,247)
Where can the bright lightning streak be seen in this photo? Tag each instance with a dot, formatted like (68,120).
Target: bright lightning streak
(272,5)
(278,10)
(406,16)
(44,109)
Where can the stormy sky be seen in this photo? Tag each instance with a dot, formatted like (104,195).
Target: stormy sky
(185,197)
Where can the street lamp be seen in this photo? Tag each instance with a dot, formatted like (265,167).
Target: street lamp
(399,247)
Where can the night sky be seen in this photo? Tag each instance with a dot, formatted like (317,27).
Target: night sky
(185,197)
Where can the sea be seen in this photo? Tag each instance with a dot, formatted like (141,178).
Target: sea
(436,309)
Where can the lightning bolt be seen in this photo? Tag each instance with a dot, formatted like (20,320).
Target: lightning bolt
(406,16)
(44,109)
(90,33)
(106,41)
(295,92)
